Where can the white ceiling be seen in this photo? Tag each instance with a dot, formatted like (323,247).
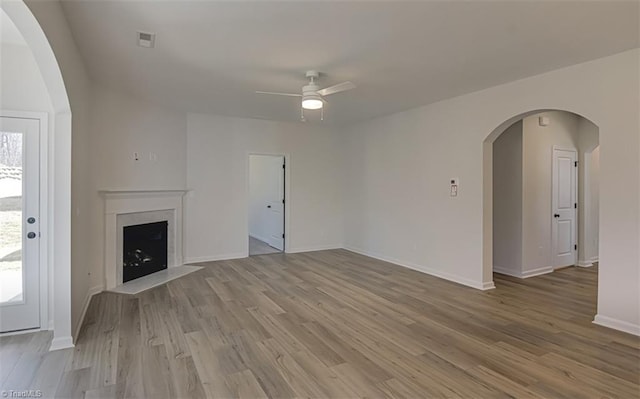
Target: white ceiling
(211,56)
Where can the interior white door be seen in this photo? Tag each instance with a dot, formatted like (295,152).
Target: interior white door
(19,224)
(275,207)
(564,208)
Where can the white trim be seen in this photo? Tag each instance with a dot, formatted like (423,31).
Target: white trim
(426,270)
(525,274)
(537,272)
(87,300)
(585,170)
(595,259)
(314,248)
(488,285)
(616,324)
(506,272)
(20,332)
(215,258)
(61,343)
(43,193)
(584,263)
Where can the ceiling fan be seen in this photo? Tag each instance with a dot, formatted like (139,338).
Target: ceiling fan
(312,95)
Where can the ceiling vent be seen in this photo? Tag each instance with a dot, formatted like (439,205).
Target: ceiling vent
(146,39)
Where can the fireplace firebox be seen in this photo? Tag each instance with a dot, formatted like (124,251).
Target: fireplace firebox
(144,250)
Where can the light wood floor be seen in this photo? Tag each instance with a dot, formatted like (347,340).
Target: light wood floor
(335,324)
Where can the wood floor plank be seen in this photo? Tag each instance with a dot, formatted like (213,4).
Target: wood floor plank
(207,365)
(334,324)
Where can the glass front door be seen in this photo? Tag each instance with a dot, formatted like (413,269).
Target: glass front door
(19,224)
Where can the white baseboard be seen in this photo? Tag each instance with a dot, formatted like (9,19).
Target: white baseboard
(507,272)
(537,272)
(595,259)
(617,324)
(213,258)
(584,263)
(313,248)
(20,332)
(427,270)
(87,300)
(61,343)
(488,285)
(527,274)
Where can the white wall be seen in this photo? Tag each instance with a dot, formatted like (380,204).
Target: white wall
(507,201)
(21,85)
(397,201)
(538,143)
(263,184)
(122,125)
(396,172)
(588,140)
(68,86)
(592,235)
(217,172)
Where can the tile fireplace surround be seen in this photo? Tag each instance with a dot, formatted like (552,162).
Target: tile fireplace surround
(125,208)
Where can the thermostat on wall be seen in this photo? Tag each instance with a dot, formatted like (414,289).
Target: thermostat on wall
(453,187)
(543,121)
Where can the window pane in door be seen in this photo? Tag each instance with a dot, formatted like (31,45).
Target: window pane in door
(11,267)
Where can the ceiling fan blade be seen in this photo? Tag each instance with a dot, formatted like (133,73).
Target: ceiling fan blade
(344,86)
(279,94)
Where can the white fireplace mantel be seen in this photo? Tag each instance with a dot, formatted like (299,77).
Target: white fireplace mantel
(122,202)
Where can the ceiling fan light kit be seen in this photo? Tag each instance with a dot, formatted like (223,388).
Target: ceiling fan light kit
(312,95)
(311,101)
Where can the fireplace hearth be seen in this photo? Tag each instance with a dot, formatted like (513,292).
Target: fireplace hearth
(145,248)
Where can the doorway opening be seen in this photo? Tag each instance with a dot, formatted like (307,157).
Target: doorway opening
(23,185)
(544,190)
(46,94)
(267,204)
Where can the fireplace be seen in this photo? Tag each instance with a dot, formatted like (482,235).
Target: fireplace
(124,211)
(144,249)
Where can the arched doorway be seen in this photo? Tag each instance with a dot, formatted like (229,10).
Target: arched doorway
(58,230)
(489,257)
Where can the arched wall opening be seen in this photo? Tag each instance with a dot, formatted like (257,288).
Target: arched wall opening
(530,168)
(489,175)
(58,231)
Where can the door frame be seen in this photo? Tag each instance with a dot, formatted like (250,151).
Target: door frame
(45,237)
(287,196)
(574,177)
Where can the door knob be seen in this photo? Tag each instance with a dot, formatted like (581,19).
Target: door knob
(31,235)
(555,215)
(31,220)
(268,206)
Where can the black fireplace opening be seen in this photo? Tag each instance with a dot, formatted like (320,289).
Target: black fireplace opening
(144,250)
